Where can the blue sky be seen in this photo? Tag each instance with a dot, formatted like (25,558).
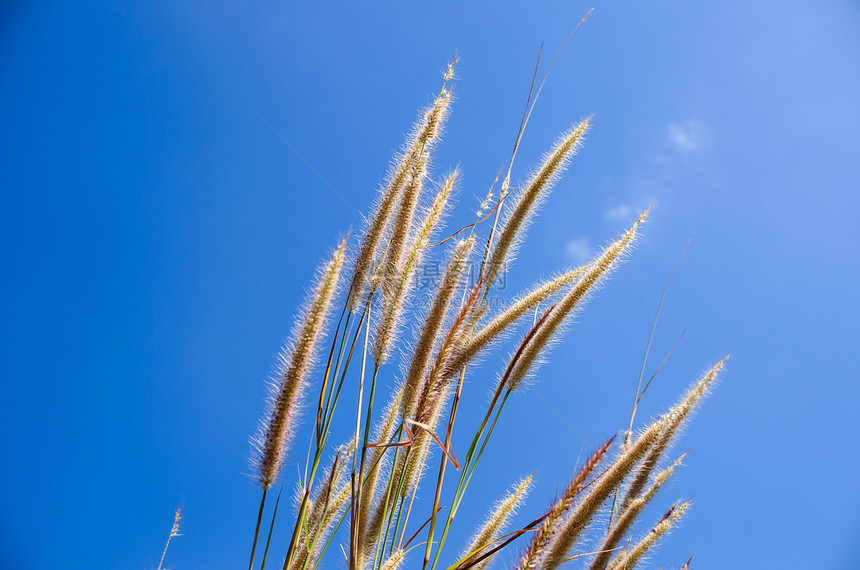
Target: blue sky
(167,175)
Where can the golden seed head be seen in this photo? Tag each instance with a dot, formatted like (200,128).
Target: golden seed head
(495,523)
(596,272)
(294,362)
(533,194)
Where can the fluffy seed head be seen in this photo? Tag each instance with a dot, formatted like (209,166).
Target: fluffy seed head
(444,368)
(496,522)
(534,193)
(423,136)
(398,277)
(630,558)
(629,515)
(437,388)
(654,435)
(600,490)
(324,508)
(432,326)
(507,318)
(395,560)
(532,557)
(177,518)
(596,272)
(294,362)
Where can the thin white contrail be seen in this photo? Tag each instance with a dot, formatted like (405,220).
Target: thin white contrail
(307,162)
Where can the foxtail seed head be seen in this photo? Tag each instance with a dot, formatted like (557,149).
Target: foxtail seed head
(508,318)
(433,324)
(629,559)
(496,523)
(654,435)
(600,490)
(399,275)
(175,530)
(534,553)
(424,133)
(327,503)
(394,561)
(437,387)
(596,272)
(673,422)
(629,515)
(534,193)
(294,361)
(444,367)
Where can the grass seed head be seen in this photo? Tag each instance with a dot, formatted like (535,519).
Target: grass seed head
(394,561)
(496,522)
(629,515)
(397,280)
(597,271)
(430,330)
(326,505)
(630,558)
(534,554)
(611,479)
(423,136)
(509,317)
(533,194)
(294,361)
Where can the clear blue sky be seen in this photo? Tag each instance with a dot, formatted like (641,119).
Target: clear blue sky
(158,235)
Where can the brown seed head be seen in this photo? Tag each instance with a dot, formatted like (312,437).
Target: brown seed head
(294,362)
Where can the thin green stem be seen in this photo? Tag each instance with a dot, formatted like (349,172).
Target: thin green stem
(469,469)
(380,544)
(317,457)
(322,406)
(301,517)
(311,544)
(486,441)
(257,530)
(271,528)
(364,445)
(442,465)
(334,400)
(342,518)
(355,499)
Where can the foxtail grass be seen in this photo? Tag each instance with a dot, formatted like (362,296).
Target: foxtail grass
(589,280)
(419,144)
(371,506)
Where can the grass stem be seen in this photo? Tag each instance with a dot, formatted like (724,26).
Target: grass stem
(257,529)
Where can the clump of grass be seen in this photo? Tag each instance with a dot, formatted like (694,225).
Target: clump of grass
(366,498)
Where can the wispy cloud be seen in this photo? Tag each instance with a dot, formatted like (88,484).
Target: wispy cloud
(629,211)
(687,137)
(619,212)
(578,250)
